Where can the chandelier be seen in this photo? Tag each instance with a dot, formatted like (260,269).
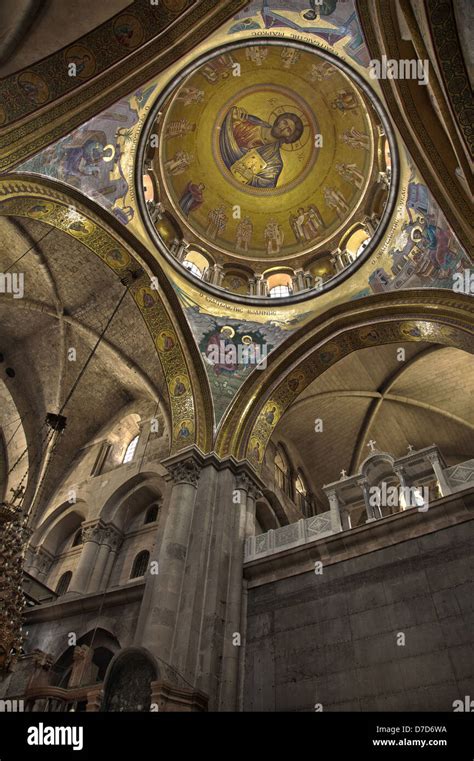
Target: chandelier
(12,601)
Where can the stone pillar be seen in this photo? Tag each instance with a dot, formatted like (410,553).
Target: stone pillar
(346,519)
(109,541)
(113,540)
(365,491)
(161,599)
(336,524)
(403,484)
(217,274)
(338,261)
(91,534)
(261,285)
(438,471)
(233,653)
(82,666)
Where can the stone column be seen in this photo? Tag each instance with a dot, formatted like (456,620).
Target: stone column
(346,519)
(161,599)
(113,540)
(299,275)
(109,539)
(233,654)
(82,667)
(91,534)
(403,484)
(336,524)
(438,471)
(261,285)
(217,275)
(365,491)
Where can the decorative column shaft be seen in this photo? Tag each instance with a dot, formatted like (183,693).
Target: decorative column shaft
(161,599)
(334,509)
(438,471)
(232,657)
(91,535)
(109,539)
(368,507)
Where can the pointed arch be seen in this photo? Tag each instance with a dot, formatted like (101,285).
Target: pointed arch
(49,201)
(433,316)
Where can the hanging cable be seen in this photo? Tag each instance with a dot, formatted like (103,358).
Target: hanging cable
(30,249)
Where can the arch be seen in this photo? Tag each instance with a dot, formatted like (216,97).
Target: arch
(197,261)
(59,532)
(48,201)
(301,493)
(435,316)
(105,646)
(55,516)
(140,564)
(63,583)
(151,514)
(131,498)
(282,470)
(265,515)
(77,540)
(127,684)
(13,440)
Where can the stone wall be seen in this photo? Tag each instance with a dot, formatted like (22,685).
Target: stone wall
(331,638)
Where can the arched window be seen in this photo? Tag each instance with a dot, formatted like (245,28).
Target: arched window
(63,583)
(279,285)
(77,538)
(282,472)
(140,564)
(279,291)
(193,268)
(151,514)
(301,496)
(196,263)
(362,246)
(130,451)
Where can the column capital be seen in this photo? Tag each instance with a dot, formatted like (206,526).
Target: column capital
(246,483)
(185,471)
(92,532)
(111,537)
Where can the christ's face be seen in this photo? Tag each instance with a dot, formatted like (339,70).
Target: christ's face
(284,128)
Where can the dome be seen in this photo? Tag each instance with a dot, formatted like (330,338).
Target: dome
(265,156)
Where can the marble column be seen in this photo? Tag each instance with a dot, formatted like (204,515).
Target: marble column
(161,600)
(368,507)
(91,535)
(438,471)
(334,509)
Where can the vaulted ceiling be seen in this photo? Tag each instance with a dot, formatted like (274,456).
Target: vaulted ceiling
(371,394)
(69,296)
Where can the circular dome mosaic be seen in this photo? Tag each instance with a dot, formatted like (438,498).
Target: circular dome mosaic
(265,156)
